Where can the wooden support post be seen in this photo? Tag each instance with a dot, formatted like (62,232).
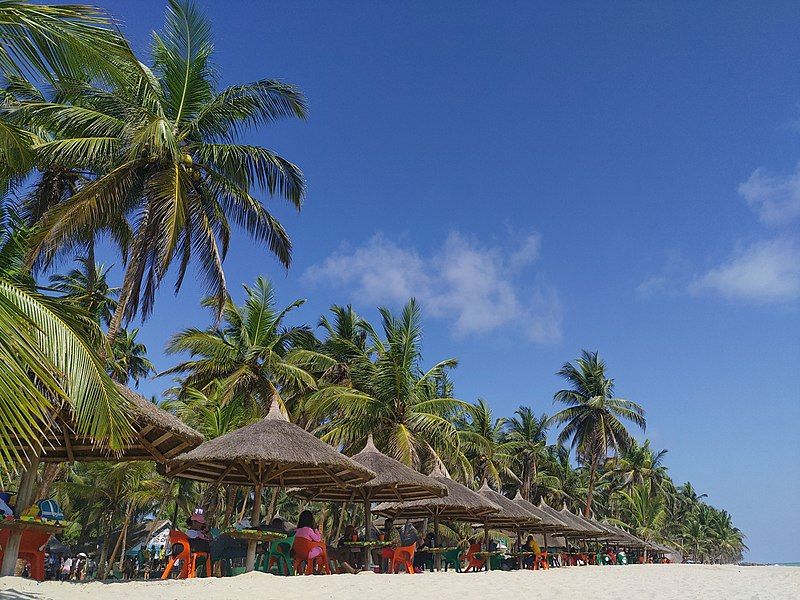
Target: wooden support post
(25,493)
(368,533)
(254,522)
(438,558)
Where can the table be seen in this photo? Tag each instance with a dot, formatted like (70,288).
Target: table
(36,526)
(521,555)
(437,554)
(364,545)
(256,535)
(488,556)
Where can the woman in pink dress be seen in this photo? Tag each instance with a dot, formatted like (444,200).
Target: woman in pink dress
(307,529)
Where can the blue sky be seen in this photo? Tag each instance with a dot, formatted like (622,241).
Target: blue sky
(546,178)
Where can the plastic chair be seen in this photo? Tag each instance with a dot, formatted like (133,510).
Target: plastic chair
(280,556)
(473,562)
(302,548)
(540,562)
(404,555)
(452,558)
(29,550)
(181,551)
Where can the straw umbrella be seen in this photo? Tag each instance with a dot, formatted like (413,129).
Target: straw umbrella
(393,481)
(548,523)
(459,504)
(157,435)
(511,514)
(272,452)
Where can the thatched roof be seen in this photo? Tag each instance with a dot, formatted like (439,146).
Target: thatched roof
(547,522)
(511,514)
(393,481)
(460,502)
(271,452)
(570,528)
(158,435)
(619,535)
(581,525)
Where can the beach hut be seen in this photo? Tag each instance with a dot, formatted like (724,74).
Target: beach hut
(460,503)
(393,481)
(270,453)
(157,435)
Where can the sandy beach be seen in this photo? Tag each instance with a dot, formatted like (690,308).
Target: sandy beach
(656,582)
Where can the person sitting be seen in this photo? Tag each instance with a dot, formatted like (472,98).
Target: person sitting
(341,553)
(383,557)
(422,555)
(197,532)
(530,545)
(307,530)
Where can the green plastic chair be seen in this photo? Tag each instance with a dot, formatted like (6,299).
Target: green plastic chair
(496,562)
(452,558)
(279,551)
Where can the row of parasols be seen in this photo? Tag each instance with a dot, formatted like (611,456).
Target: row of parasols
(276,453)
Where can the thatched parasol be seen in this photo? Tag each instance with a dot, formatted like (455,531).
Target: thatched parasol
(271,452)
(460,503)
(511,514)
(157,435)
(393,481)
(583,525)
(548,524)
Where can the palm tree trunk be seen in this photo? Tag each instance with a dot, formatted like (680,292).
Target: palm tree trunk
(101,563)
(273,503)
(131,274)
(534,491)
(49,475)
(120,539)
(590,491)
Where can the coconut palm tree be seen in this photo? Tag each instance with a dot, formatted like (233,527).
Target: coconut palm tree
(87,286)
(408,410)
(163,146)
(46,41)
(48,359)
(483,440)
(530,433)
(592,419)
(249,354)
(129,360)
(638,464)
(646,512)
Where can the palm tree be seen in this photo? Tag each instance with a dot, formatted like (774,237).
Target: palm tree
(638,464)
(163,147)
(250,354)
(406,409)
(646,511)
(484,442)
(530,433)
(129,358)
(592,419)
(48,359)
(87,286)
(47,41)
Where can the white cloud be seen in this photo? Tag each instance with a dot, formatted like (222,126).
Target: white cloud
(776,198)
(765,271)
(477,288)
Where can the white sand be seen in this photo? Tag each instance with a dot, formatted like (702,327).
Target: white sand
(633,582)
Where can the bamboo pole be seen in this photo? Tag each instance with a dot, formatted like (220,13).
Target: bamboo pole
(367,533)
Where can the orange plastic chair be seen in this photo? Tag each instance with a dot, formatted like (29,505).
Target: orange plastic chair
(540,562)
(29,550)
(302,548)
(181,551)
(473,562)
(404,555)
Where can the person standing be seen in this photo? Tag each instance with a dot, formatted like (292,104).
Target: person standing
(66,568)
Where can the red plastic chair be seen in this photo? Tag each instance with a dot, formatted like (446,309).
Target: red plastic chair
(181,551)
(404,555)
(302,548)
(29,550)
(473,562)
